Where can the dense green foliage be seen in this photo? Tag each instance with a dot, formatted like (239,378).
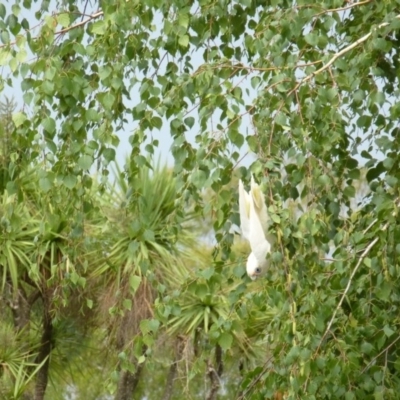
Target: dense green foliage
(108,287)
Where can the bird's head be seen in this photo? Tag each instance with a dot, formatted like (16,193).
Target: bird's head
(253,267)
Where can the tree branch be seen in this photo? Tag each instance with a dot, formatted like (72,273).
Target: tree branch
(85,21)
(385,349)
(64,30)
(180,345)
(360,260)
(215,373)
(46,345)
(256,380)
(338,55)
(360,3)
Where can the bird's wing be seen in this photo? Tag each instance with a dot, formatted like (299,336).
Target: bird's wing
(244,210)
(258,243)
(259,204)
(261,209)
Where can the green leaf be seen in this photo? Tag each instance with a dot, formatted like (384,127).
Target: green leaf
(16,9)
(108,101)
(134,282)
(63,19)
(11,188)
(145,326)
(99,27)
(70,181)
(367,262)
(85,161)
(281,119)
(255,82)
(109,154)
(105,72)
(156,122)
(19,118)
(154,325)
(133,246)
(5,37)
(183,20)
(312,39)
(183,40)
(49,125)
(74,277)
(388,332)
(127,304)
(148,235)
(198,178)
(21,56)
(2,10)
(373,173)
(4,56)
(349,191)
(92,115)
(236,137)
(189,121)
(275,218)
(208,273)
(225,340)
(45,184)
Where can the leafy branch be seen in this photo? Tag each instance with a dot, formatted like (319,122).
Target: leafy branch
(360,260)
(339,54)
(359,3)
(382,352)
(64,30)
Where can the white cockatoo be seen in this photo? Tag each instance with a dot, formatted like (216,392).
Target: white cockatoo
(254,223)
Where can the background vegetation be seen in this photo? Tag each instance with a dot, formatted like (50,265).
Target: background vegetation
(127,281)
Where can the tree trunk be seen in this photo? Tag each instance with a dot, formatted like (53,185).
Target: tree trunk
(173,368)
(129,327)
(128,382)
(215,373)
(20,305)
(42,376)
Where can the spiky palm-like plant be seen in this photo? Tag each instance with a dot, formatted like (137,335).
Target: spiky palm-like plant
(143,238)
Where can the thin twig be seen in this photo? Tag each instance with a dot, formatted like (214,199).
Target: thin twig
(334,259)
(370,225)
(84,10)
(159,65)
(256,380)
(240,160)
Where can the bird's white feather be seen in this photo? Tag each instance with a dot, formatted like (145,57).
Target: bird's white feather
(244,210)
(259,203)
(258,243)
(254,222)
(261,209)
